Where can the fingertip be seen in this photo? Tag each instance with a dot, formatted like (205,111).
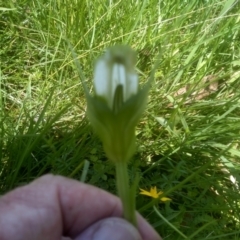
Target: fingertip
(110,228)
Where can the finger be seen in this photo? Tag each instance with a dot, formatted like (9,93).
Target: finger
(54,205)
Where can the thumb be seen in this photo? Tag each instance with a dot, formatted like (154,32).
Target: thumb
(110,228)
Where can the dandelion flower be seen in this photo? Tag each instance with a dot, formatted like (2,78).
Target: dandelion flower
(154,194)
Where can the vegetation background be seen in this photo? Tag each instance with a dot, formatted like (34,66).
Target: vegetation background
(188,138)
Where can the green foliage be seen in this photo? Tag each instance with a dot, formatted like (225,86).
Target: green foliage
(188,138)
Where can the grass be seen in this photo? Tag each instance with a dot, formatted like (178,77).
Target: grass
(188,138)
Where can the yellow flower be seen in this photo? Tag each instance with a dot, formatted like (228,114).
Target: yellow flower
(154,194)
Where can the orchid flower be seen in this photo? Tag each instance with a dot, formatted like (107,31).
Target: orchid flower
(118,103)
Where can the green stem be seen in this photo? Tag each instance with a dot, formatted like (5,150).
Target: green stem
(125,192)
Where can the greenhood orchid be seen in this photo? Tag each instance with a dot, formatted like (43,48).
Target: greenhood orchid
(118,103)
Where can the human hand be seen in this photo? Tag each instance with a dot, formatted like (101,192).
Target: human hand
(52,207)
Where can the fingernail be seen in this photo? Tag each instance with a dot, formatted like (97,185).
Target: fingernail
(111,228)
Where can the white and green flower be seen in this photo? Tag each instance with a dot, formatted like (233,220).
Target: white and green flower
(118,103)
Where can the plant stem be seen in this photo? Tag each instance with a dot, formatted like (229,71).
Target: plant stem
(125,192)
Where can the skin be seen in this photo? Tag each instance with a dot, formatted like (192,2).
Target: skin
(53,206)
